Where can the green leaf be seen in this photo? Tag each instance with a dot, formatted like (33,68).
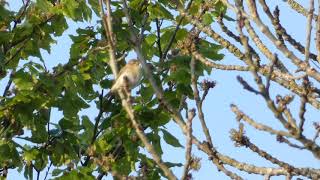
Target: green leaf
(39,132)
(44,5)
(28,172)
(71,104)
(69,9)
(153,171)
(95,6)
(146,93)
(6,16)
(88,125)
(158,11)
(9,154)
(86,76)
(181,34)
(86,11)
(88,129)
(106,83)
(210,50)
(59,24)
(156,143)
(63,151)
(23,80)
(194,9)
(77,175)
(32,49)
(151,39)
(5,37)
(170,139)
(207,19)
(30,155)
(82,43)
(184,89)
(56,172)
(166,36)
(135,3)
(220,8)
(122,166)
(71,124)
(170,164)
(41,160)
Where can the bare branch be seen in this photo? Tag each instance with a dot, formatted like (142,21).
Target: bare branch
(242,140)
(300,9)
(212,64)
(282,139)
(241,116)
(309,28)
(318,33)
(303,103)
(317,127)
(198,102)
(203,122)
(191,115)
(303,66)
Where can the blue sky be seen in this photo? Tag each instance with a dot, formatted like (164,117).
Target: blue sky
(217,111)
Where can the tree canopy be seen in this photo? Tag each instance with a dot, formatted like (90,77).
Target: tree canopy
(178,46)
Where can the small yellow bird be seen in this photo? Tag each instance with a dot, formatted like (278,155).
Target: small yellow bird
(129,76)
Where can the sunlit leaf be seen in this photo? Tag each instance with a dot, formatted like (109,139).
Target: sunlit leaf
(170,139)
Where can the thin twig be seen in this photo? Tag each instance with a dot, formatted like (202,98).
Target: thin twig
(300,9)
(316,135)
(270,72)
(303,102)
(198,102)
(106,19)
(302,112)
(45,177)
(96,125)
(282,139)
(98,118)
(309,28)
(318,33)
(212,64)
(158,25)
(191,115)
(7,88)
(241,116)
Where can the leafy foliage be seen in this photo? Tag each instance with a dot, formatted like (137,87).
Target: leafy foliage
(108,142)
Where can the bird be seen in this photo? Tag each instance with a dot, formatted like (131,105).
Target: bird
(129,76)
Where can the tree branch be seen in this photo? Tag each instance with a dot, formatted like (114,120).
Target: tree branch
(191,115)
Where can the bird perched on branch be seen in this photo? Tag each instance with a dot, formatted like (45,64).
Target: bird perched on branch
(129,76)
